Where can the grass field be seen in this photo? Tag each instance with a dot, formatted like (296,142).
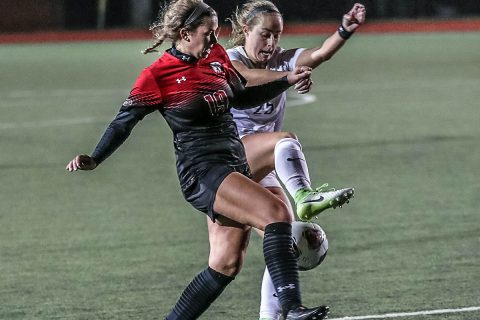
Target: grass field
(395,116)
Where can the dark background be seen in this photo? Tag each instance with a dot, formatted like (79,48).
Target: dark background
(34,15)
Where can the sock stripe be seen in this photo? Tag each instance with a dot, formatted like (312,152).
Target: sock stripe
(199,295)
(282,264)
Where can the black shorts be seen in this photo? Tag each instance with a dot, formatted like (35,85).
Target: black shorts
(200,186)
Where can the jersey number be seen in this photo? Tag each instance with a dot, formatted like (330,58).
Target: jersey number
(217,102)
(266,108)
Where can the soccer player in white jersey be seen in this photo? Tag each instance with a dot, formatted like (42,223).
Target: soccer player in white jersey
(256,29)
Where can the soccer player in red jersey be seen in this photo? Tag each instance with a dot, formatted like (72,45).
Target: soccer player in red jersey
(193,85)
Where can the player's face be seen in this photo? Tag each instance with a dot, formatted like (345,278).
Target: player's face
(202,38)
(262,40)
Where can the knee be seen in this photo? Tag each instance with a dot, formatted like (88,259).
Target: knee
(288,143)
(227,251)
(288,135)
(227,264)
(277,211)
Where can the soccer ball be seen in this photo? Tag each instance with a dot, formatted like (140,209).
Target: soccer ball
(310,244)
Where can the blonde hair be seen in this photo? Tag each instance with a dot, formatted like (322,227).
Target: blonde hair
(175,15)
(249,15)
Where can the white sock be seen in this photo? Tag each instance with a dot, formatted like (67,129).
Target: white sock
(291,166)
(270,307)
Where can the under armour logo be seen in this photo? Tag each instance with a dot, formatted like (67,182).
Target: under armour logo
(289,286)
(185,58)
(181,79)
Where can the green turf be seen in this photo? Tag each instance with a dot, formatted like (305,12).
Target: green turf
(396,117)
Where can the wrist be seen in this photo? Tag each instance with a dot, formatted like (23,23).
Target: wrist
(95,159)
(344,33)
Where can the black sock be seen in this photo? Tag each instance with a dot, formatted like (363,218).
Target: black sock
(199,295)
(282,264)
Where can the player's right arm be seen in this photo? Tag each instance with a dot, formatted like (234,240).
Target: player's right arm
(143,99)
(115,135)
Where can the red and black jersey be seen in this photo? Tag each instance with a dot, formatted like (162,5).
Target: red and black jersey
(194,98)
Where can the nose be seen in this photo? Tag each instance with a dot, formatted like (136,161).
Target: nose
(270,40)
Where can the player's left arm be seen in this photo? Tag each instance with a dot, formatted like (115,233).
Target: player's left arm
(255,77)
(249,97)
(313,57)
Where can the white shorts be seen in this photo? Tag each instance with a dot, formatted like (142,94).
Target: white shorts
(270,180)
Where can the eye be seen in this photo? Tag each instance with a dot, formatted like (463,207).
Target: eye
(265,35)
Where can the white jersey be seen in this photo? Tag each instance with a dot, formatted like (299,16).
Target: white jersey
(267,117)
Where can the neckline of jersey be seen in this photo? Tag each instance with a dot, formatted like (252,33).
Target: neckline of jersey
(182,56)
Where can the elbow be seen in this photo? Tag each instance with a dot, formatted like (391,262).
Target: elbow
(121,129)
(319,60)
(327,57)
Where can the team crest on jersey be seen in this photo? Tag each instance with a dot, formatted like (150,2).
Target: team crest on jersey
(217,67)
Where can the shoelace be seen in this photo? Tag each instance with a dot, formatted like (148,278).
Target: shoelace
(324,188)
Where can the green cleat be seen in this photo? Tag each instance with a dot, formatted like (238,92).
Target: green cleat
(311,202)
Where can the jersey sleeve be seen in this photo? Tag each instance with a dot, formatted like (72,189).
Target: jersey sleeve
(145,92)
(234,54)
(289,57)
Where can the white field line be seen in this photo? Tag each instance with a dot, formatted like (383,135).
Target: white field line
(358,85)
(408,314)
(29,97)
(60,93)
(295,99)
(438,84)
(32,98)
(50,123)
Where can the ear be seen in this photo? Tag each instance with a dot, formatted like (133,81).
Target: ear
(245,29)
(185,34)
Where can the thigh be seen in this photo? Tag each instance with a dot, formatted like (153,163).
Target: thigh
(240,199)
(259,148)
(228,245)
(199,187)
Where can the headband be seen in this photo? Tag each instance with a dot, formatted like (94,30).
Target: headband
(258,10)
(199,11)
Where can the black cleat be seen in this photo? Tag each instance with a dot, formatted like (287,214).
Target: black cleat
(302,313)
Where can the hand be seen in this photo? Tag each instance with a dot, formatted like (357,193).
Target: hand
(304,86)
(354,18)
(299,74)
(81,162)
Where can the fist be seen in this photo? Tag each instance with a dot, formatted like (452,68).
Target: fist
(354,18)
(81,162)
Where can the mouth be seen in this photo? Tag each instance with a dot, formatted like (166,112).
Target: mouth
(265,54)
